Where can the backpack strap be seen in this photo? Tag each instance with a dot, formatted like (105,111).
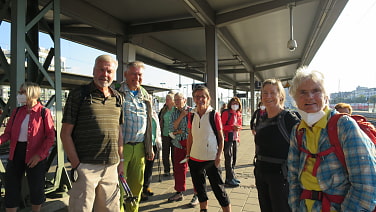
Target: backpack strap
(212,123)
(317,156)
(211,120)
(333,138)
(282,125)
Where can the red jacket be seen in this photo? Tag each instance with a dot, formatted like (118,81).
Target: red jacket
(228,123)
(39,138)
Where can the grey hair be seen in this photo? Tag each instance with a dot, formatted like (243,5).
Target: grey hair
(303,74)
(107,58)
(179,94)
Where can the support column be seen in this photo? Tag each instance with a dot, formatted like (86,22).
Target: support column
(233,90)
(252,83)
(17,66)
(126,52)
(212,64)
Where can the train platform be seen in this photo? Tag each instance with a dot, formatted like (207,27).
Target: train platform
(243,198)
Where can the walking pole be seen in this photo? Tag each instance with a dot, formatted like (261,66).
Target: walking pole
(128,197)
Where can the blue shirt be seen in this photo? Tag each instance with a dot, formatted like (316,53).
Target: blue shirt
(135,116)
(357,183)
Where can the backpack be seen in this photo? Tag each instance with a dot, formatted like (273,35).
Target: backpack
(336,148)
(211,120)
(362,122)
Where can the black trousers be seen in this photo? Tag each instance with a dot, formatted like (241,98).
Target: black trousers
(272,189)
(148,173)
(15,170)
(167,150)
(199,170)
(230,152)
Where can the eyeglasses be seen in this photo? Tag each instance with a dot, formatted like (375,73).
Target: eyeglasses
(199,97)
(314,92)
(178,100)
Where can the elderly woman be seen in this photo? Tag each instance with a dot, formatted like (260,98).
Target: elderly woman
(272,140)
(232,124)
(318,180)
(31,133)
(204,150)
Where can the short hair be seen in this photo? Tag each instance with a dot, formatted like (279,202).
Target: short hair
(171,95)
(281,90)
(137,64)
(201,88)
(106,58)
(179,94)
(32,90)
(303,74)
(235,99)
(343,105)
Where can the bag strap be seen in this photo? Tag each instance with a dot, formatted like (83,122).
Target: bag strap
(333,137)
(212,123)
(282,125)
(211,120)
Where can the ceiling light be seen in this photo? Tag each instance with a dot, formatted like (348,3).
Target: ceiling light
(291,44)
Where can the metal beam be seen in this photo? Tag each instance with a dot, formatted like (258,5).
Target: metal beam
(252,11)
(276,65)
(182,24)
(155,45)
(325,18)
(101,20)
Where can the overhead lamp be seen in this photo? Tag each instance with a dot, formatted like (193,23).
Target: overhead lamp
(291,44)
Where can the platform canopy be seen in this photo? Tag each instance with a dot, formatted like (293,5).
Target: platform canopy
(170,34)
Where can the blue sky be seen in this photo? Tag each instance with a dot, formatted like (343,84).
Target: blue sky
(346,56)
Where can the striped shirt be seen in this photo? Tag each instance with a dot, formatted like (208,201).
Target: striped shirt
(96,120)
(357,183)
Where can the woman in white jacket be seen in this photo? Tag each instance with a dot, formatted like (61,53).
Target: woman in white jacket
(204,150)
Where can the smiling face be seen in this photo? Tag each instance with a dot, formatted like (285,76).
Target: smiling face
(179,101)
(201,99)
(134,77)
(309,97)
(103,73)
(271,97)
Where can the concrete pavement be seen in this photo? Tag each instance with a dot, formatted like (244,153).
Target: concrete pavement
(243,198)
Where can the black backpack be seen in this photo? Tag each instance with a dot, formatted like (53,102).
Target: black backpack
(211,120)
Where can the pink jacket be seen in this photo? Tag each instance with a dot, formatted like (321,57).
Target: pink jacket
(39,138)
(228,124)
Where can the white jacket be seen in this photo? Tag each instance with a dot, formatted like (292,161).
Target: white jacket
(204,141)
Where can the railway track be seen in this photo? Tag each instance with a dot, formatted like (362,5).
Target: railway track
(371,117)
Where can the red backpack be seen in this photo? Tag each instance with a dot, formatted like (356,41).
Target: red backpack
(367,127)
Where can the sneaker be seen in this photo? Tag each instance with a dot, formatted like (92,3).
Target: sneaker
(236,180)
(178,196)
(232,183)
(194,201)
(148,192)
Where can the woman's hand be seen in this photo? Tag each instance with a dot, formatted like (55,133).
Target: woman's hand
(33,161)
(217,161)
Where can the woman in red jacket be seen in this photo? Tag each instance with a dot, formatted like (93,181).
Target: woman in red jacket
(31,137)
(232,124)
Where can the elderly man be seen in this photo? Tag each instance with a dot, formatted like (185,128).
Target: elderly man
(92,140)
(137,130)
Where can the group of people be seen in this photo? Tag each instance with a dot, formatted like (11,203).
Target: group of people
(107,133)
(297,166)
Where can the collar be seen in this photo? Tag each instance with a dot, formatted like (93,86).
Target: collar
(320,124)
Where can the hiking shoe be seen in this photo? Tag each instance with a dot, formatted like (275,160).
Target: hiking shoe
(194,201)
(148,192)
(178,196)
(232,183)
